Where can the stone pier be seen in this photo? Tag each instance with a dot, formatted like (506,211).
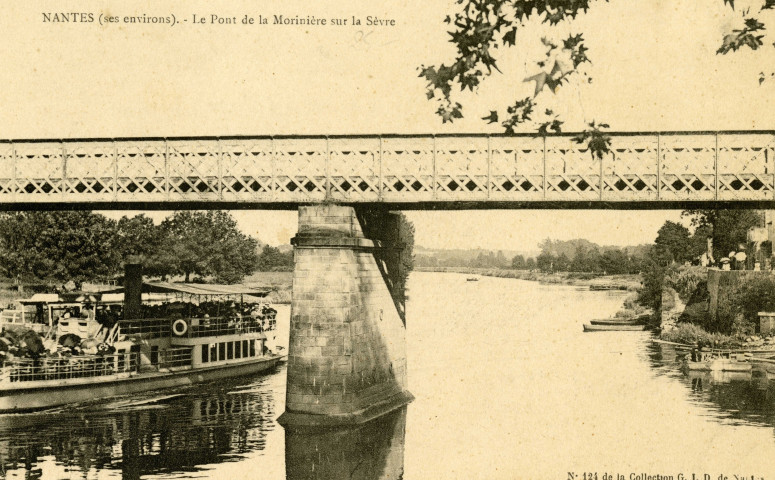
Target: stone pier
(347,353)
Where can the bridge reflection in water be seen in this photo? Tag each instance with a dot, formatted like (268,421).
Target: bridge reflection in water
(193,432)
(372,451)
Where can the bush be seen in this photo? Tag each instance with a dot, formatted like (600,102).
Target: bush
(696,313)
(686,280)
(691,334)
(753,295)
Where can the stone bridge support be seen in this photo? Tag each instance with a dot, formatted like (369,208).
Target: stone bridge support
(347,353)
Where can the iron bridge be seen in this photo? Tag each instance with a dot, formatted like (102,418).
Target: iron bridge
(403,171)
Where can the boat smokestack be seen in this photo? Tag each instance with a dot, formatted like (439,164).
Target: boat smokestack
(133,290)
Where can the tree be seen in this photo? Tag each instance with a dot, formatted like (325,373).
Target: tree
(727,228)
(654,272)
(545,262)
(139,240)
(68,245)
(614,262)
(272,259)
(672,243)
(482,28)
(406,239)
(562,263)
(206,243)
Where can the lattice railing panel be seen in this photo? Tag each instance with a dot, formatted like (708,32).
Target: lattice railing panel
(7,172)
(461,167)
(353,168)
(300,169)
(630,173)
(688,167)
(193,169)
(142,172)
(40,169)
(746,168)
(572,173)
(647,167)
(516,168)
(247,169)
(91,170)
(407,168)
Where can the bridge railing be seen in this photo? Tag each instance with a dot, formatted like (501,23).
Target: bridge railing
(675,166)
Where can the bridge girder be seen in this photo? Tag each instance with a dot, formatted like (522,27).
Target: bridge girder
(643,170)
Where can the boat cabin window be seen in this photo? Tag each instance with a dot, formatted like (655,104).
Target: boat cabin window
(230,350)
(154,355)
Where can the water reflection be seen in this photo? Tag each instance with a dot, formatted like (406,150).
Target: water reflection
(740,397)
(170,433)
(371,451)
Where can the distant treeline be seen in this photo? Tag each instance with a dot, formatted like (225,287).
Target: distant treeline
(462,258)
(556,256)
(581,255)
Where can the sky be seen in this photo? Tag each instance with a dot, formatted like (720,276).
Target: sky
(654,68)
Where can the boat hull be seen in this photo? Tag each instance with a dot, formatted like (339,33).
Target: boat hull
(614,328)
(42,396)
(720,365)
(617,322)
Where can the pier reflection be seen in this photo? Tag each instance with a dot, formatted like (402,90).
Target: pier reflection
(133,438)
(371,451)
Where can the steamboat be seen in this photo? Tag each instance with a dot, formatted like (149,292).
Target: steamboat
(80,347)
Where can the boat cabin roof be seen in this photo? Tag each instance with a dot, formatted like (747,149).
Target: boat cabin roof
(154,291)
(203,289)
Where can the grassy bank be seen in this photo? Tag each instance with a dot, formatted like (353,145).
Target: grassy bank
(279,282)
(626,282)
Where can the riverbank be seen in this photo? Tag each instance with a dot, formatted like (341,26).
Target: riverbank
(619,282)
(280,283)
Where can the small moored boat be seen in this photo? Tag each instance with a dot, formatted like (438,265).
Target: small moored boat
(731,363)
(617,321)
(614,328)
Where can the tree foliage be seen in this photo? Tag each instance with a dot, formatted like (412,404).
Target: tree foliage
(206,243)
(61,245)
(79,246)
(480,29)
(727,228)
(272,259)
(583,256)
(672,243)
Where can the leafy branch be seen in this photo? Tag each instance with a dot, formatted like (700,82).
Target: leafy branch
(480,27)
(598,142)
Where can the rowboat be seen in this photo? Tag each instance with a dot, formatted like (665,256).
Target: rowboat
(601,287)
(732,364)
(614,328)
(616,321)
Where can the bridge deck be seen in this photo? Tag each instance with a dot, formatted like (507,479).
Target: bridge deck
(406,171)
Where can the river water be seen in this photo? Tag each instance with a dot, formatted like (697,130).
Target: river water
(506,384)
